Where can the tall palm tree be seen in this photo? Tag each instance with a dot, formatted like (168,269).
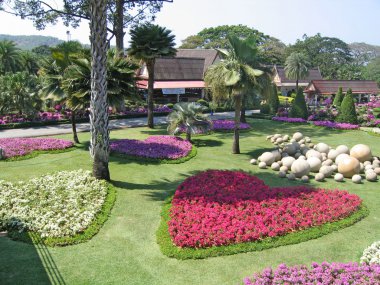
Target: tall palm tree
(147,43)
(99,147)
(234,76)
(297,67)
(10,57)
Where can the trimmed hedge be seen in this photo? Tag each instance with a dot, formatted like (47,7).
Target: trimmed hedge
(338,98)
(299,108)
(347,110)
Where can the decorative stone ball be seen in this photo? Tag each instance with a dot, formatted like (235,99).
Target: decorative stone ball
(279,162)
(262,165)
(322,147)
(282,174)
(302,157)
(297,145)
(338,177)
(315,163)
(291,176)
(302,141)
(365,163)
(368,167)
(269,137)
(253,161)
(277,155)
(276,136)
(305,179)
(288,161)
(292,140)
(311,145)
(349,167)
(279,140)
(326,170)
(334,167)
(361,152)
(285,138)
(307,140)
(284,169)
(267,157)
(290,149)
(273,140)
(332,154)
(314,153)
(297,155)
(297,136)
(377,170)
(343,149)
(284,154)
(319,177)
(275,166)
(361,167)
(369,171)
(357,179)
(302,146)
(327,162)
(341,157)
(371,176)
(376,163)
(300,168)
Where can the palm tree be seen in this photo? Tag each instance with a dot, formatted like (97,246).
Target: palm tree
(189,116)
(10,57)
(296,67)
(149,42)
(234,76)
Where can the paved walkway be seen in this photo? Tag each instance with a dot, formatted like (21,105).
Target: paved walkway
(85,127)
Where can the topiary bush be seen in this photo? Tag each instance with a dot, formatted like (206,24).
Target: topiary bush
(273,101)
(338,98)
(347,109)
(203,102)
(299,108)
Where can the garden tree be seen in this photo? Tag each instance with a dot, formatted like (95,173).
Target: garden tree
(296,67)
(329,54)
(299,108)
(30,62)
(350,71)
(10,57)
(42,51)
(189,116)
(233,76)
(338,98)
(147,43)
(273,100)
(273,51)
(121,13)
(372,70)
(347,112)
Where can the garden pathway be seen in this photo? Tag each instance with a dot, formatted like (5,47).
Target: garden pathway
(85,127)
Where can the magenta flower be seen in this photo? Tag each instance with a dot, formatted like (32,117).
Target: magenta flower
(334,125)
(289,120)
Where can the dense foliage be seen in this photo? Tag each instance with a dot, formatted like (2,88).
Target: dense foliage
(338,98)
(347,110)
(299,108)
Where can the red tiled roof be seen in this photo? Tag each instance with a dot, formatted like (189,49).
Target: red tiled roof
(314,74)
(143,84)
(332,86)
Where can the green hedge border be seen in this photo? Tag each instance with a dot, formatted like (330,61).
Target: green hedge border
(141,159)
(169,249)
(91,231)
(38,152)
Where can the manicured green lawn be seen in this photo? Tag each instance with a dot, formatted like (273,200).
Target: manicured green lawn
(125,250)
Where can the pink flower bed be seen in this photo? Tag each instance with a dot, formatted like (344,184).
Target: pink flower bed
(227,125)
(334,125)
(22,146)
(217,208)
(158,147)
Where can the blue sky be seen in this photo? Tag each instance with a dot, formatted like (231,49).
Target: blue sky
(288,20)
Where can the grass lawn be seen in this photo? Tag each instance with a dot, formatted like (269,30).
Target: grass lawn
(125,250)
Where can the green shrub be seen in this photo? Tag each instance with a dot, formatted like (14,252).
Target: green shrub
(299,108)
(338,98)
(347,109)
(265,109)
(273,101)
(203,102)
(170,105)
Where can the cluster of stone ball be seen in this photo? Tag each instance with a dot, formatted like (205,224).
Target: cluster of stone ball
(296,156)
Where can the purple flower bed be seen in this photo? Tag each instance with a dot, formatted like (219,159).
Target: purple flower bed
(289,120)
(219,125)
(157,147)
(334,125)
(322,274)
(23,146)
(143,110)
(40,117)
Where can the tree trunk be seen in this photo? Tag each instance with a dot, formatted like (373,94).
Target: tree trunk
(242,113)
(119,26)
(236,145)
(150,68)
(74,127)
(99,147)
(188,135)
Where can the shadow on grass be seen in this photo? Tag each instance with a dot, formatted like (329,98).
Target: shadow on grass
(201,142)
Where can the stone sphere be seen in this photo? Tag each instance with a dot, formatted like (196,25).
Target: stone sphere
(253,161)
(302,141)
(302,146)
(300,168)
(365,163)
(368,167)
(315,163)
(328,162)
(279,140)
(310,145)
(376,163)
(338,177)
(279,163)
(288,161)
(377,170)
(341,157)
(371,176)
(361,167)
(267,157)
(322,147)
(282,174)
(334,167)
(297,155)
(296,145)
(291,176)
(285,138)
(284,169)
(349,167)
(275,166)
(332,154)
(290,149)
(307,140)
(361,152)
(262,165)
(276,154)
(276,136)
(297,136)
(357,179)
(305,179)
(269,137)
(292,140)
(314,153)
(284,154)
(343,149)
(326,170)
(319,177)
(302,157)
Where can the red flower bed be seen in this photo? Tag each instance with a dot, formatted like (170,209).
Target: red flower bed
(217,208)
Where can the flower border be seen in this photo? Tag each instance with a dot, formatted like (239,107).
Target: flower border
(36,153)
(169,249)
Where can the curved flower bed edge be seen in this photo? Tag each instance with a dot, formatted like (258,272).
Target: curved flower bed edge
(169,249)
(91,231)
(36,153)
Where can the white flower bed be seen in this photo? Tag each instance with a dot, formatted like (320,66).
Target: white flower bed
(372,254)
(54,205)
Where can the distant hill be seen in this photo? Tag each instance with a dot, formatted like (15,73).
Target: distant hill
(365,52)
(30,42)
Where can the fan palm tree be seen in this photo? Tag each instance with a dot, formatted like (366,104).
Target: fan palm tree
(234,76)
(297,67)
(189,116)
(147,43)
(10,57)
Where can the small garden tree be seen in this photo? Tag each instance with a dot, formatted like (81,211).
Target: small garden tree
(296,67)
(299,108)
(273,100)
(338,98)
(347,109)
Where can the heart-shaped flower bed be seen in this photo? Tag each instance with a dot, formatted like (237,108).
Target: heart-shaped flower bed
(217,208)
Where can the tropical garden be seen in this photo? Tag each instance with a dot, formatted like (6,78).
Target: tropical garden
(287,196)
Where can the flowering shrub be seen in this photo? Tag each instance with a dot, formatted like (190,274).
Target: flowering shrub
(334,125)
(322,274)
(227,125)
(54,205)
(371,254)
(143,110)
(22,146)
(289,120)
(225,207)
(158,147)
